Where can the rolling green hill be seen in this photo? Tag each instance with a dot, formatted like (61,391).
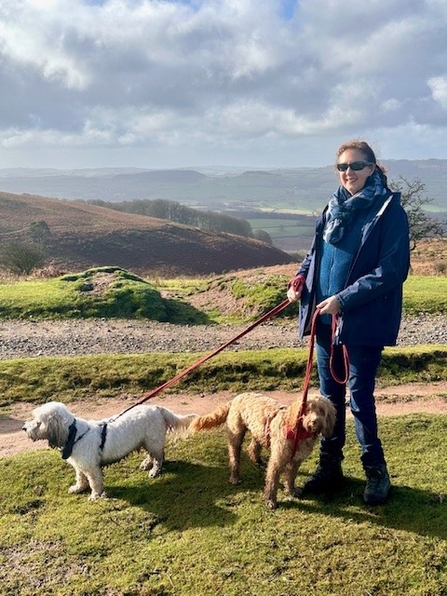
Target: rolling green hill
(79,236)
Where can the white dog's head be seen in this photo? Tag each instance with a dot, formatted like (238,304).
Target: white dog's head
(319,416)
(51,422)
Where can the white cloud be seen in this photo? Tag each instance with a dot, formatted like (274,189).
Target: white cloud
(438,86)
(219,79)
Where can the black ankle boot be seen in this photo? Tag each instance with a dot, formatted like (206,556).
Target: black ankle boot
(377,485)
(327,477)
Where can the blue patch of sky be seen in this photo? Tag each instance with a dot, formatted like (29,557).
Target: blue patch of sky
(287,8)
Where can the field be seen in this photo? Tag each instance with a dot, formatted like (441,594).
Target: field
(291,234)
(190,532)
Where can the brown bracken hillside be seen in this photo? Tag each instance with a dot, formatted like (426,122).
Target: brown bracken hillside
(80,236)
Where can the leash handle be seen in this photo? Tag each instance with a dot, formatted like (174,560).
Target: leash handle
(269,315)
(345,356)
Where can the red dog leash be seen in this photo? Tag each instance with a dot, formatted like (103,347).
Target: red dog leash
(345,355)
(270,314)
(298,432)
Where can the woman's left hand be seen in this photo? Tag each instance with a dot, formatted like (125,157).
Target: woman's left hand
(330,306)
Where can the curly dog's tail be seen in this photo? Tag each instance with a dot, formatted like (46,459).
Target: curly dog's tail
(212,420)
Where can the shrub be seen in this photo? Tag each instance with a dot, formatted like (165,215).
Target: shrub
(21,259)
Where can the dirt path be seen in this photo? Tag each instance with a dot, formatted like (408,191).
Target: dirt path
(391,401)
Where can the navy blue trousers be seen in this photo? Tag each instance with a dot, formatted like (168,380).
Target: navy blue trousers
(363,364)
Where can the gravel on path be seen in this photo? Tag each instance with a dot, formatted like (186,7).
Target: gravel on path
(21,339)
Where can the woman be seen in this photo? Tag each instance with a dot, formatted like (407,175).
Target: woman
(354,273)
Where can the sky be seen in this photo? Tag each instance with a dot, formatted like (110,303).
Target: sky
(222,83)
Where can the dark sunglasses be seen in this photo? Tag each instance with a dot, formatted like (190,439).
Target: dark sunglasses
(354,165)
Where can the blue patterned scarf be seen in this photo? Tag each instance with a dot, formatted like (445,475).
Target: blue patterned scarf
(342,207)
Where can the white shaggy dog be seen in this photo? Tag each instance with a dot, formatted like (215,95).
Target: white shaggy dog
(90,444)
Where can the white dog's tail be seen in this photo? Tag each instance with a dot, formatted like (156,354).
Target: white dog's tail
(216,418)
(176,421)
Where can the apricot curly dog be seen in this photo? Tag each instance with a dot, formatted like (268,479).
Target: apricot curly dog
(271,426)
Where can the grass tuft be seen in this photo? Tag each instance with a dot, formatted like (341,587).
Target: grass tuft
(37,380)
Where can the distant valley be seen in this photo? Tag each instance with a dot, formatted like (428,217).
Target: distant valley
(281,202)
(298,190)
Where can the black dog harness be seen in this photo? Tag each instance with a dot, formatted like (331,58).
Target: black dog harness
(67,449)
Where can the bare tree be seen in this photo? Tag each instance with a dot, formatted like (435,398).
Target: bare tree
(422,224)
(21,259)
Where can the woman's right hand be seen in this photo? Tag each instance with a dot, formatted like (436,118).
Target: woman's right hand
(329,306)
(295,287)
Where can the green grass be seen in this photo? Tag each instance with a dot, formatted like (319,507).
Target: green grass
(427,293)
(280,227)
(190,532)
(37,380)
(128,296)
(73,296)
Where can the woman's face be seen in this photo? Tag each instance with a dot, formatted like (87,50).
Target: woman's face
(354,180)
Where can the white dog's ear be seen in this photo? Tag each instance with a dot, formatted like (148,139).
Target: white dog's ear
(57,430)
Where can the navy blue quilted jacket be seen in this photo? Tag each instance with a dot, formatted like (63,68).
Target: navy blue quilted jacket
(371,301)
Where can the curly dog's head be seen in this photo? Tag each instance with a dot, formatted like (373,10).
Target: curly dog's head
(319,416)
(51,422)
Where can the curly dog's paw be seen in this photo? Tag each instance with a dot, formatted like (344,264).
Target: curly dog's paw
(270,503)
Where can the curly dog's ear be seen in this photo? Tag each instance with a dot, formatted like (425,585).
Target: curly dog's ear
(57,430)
(329,417)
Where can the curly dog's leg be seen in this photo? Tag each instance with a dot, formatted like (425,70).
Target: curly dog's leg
(235,440)
(274,468)
(290,475)
(254,452)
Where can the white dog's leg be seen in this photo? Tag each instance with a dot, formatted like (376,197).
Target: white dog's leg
(153,463)
(81,484)
(146,464)
(96,484)
(157,464)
